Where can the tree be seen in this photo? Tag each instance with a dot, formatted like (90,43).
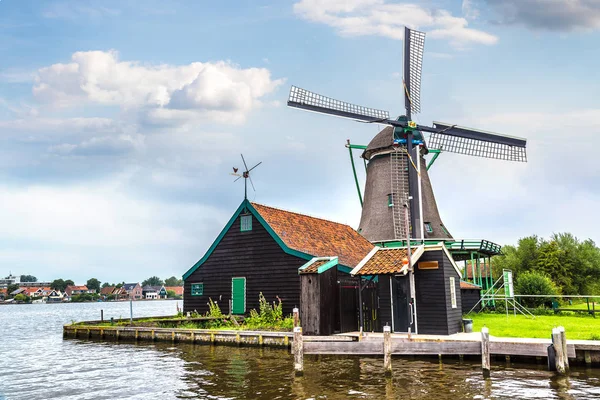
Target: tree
(153,281)
(69,282)
(28,278)
(93,284)
(173,281)
(535,283)
(59,284)
(171,294)
(106,284)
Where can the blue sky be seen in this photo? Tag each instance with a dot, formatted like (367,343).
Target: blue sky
(120,122)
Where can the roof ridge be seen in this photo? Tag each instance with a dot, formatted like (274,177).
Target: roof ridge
(304,215)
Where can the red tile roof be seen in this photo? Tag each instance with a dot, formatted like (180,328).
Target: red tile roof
(315,236)
(384,261)
(107,290)
(177,289)
(467,285)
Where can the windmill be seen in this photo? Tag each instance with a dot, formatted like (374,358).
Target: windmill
(246,175)
(396,170)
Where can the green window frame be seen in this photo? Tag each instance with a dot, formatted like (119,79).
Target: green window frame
(428,227)
(246,223)
(390,198)
(197,289)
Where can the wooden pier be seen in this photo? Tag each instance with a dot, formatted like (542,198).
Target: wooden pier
(461,345)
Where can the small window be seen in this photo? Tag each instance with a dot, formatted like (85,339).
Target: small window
(428,227)
(390,200)
(246,223)
(197,289)
(452,292)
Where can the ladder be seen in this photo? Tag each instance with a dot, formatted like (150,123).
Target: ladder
(399,175)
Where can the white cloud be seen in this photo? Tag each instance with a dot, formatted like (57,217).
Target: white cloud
(216,91)
(378,17)
(101,145)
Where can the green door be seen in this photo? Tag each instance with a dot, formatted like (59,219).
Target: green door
(238,295)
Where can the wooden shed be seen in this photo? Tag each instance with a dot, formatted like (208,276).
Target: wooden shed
(470,295)
(435,305)
(261,249)
(319,293)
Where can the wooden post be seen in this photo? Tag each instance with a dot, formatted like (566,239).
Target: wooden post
(387,350)
(298,351)
(558,351)
(118,334)
(153,336)
(485,352)
(296,315)
(563,338)
(137,335)
(102,315)
(588,358)
(193,336)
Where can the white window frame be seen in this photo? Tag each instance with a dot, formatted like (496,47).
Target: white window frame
(453,292)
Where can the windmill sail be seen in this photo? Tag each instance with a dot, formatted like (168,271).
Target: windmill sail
(472,142)
(306,100)
(414,45)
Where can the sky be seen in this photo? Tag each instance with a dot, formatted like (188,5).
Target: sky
(120,121)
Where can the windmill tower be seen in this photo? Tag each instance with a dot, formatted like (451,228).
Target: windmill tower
(396,170)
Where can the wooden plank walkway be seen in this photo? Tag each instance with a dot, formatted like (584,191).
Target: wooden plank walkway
(458,344)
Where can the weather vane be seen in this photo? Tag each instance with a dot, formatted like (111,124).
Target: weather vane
(246,175)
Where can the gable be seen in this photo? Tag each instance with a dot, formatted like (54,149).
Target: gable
(245,206)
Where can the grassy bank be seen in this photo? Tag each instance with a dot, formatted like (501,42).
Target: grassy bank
(582,327)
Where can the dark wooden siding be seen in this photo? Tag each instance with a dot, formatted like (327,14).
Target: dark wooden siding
(469,298)
(254,255)
(454,315)
(310,303)
(385,308)
(431,286)
(328,301)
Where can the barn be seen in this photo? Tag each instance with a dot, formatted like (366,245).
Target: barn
(261,249)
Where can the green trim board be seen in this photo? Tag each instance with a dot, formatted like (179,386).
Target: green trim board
(331,262)
(247,207)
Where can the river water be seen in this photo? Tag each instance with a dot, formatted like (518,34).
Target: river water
(36,363)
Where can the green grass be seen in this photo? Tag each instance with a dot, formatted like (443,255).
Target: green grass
(576,327)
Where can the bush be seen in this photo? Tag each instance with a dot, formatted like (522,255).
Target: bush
(22,297)
(535,283)
(269,316)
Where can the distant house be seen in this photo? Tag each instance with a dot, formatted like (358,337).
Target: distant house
(107,290)
(72,290)
(19,291)
(154,292)
(177,289)
(2,294)
(55,296)
(119,293)
(133,290)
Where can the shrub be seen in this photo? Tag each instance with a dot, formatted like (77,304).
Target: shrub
(269,316)
(535,283)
